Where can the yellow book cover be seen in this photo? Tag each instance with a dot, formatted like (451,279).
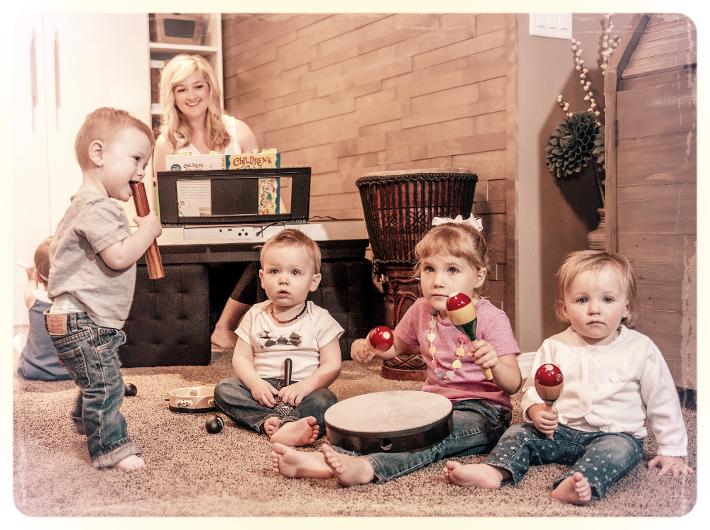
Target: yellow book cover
(269,188)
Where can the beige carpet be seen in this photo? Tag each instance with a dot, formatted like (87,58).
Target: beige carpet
(193,473)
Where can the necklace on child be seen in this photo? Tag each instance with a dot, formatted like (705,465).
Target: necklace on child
(460,352)
(271,312)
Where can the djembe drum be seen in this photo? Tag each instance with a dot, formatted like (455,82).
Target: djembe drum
(399,207)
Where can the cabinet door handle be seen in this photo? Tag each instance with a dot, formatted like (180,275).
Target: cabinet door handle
(57,82)
(33,74)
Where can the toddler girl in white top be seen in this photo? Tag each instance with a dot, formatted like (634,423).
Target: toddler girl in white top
(614,378)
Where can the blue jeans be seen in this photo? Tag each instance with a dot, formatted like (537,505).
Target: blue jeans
(477,427)
(90,354)
(232,397)
(602,457)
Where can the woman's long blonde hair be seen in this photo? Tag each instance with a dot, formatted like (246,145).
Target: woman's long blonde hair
(173,125)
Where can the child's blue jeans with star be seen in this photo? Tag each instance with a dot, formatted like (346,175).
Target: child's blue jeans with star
(602,457)
(477,426)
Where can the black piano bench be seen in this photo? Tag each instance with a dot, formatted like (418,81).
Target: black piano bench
(169,321)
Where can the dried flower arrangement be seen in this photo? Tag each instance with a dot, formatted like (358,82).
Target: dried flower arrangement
(580,136)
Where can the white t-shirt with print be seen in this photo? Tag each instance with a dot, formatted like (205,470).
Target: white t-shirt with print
(300,341)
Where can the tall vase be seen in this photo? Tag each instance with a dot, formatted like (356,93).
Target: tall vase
(596,239)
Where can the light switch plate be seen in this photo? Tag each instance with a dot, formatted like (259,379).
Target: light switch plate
(555,25)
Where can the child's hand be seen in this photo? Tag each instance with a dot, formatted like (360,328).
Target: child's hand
(483,354)
(543,418)
(294,394)
(30,271)
(264,393)
(361,351)
(672,464)
(150,223)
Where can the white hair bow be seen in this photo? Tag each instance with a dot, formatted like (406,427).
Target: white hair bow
(475,222)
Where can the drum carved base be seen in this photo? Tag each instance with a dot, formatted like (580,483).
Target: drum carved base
(404,368)
(401,291)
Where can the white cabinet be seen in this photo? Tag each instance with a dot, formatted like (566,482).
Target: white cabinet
(65,66)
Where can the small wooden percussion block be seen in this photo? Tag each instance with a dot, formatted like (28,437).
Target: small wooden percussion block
(392,421)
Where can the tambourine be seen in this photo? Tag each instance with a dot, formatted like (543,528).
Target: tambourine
(192,399)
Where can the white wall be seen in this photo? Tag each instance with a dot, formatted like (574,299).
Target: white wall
(553,219)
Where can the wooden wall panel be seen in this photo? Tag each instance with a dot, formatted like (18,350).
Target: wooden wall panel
(668,42)
(672,107)
(654,188)
(349,94)
(654,160)
(654,209)
(658,256)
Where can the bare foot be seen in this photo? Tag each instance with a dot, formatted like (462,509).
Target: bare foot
(298,464)
(348,470)
(296,433)
(480,475)
(573,490)
(223,339)
(271,425)
(131,463)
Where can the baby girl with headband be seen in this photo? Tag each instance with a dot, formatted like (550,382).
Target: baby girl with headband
(452,257)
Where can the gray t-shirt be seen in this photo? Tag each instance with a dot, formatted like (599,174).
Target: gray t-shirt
(91,224)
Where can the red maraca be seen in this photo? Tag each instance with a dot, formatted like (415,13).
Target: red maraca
(381,338)
(462,313)
(548,383)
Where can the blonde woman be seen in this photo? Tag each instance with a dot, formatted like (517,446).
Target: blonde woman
(192,114)
(193,121)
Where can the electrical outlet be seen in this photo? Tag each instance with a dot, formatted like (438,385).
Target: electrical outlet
(237,233)
(245,232)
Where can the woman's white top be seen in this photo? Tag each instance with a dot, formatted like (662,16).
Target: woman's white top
(233,148)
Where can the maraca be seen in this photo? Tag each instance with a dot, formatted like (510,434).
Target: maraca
(462,313)
(548,383)
(381,338)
